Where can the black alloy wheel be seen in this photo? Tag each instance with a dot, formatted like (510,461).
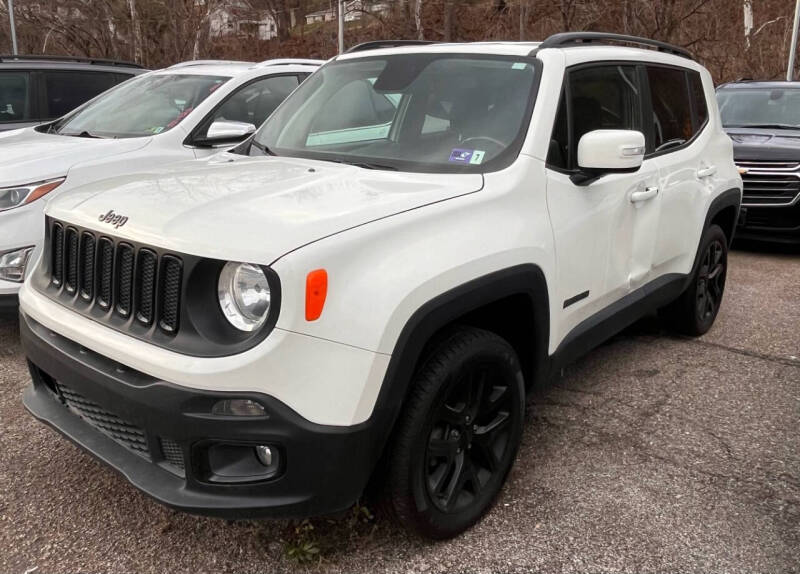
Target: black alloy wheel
(469,437)
(458,434)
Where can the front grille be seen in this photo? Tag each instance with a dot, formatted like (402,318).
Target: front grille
(172,453)
(770,183)
(146,286)
(116,428)
(71,248)
(121,280)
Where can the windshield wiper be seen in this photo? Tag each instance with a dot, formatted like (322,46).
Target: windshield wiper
(84,134)
(364,164)
(765,126)
(262,148)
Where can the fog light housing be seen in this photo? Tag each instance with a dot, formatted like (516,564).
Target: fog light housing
(238,408)
(236,463)
(14,263)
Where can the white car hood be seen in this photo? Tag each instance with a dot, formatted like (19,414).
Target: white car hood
(251,209)
(28,156)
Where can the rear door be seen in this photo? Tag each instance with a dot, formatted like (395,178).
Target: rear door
(679,144)
(17,101)
(603,239)
(65,90)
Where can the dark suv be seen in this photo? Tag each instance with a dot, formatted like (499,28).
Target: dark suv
(763,120)
(34,89)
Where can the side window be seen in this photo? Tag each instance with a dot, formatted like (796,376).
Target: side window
(255,102)
(602,97)
(672,112)
(698,100)
(15,103)
(68,90)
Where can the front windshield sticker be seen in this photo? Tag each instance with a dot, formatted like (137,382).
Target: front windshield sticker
(468,156)
(519,66)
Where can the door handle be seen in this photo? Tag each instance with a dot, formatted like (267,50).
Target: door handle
(706,171)
(644,195)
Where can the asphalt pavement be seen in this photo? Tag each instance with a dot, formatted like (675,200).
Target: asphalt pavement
(653,453)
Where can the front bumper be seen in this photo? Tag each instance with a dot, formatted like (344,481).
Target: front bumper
(772,224)
(157,435)
(8,304)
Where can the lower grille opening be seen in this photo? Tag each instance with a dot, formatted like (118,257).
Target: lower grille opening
(173,455)
(113,426)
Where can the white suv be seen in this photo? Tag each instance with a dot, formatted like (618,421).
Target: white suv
(418,236)
(187,111)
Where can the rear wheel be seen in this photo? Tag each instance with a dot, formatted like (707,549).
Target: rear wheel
(458,435)
(694,312)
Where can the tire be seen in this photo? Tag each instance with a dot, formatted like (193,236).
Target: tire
(458,434)
(694,312)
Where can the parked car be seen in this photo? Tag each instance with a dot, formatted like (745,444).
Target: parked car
(381,274)
(188,111)
(763,120)
(35,89)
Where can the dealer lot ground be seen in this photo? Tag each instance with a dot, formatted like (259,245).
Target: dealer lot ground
(652,453)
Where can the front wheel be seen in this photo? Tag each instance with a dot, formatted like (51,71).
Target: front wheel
(694,312)
(458,434)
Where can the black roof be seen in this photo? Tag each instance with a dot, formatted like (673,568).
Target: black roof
(20,59)
(765,84)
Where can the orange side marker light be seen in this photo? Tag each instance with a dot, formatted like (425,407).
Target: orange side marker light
(316,291)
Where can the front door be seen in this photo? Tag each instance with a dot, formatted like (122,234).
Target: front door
(605,231)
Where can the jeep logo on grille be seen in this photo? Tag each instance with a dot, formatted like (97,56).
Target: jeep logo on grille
(116,220)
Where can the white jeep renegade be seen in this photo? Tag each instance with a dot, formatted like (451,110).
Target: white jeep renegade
(418,236)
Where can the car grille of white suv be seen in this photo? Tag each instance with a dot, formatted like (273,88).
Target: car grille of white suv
(117,277)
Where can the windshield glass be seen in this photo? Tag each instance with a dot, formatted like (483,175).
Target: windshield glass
(145,106)
(745,107)
(410,112)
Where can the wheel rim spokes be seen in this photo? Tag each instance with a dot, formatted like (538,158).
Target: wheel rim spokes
(468,440)
(711,281)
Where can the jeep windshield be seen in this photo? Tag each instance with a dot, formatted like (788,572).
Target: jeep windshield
(145,106)
(769,108)
(410,112)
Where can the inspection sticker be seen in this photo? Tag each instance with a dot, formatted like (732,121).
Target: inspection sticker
(470,156)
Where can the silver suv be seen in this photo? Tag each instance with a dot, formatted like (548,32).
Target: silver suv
(34,89)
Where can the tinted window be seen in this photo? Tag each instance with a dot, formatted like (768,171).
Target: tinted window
(672,112)
(68,90)
(255,102)
(698,99)
(14,100)
(603,97)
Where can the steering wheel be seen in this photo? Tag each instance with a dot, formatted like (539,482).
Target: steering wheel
(498,143)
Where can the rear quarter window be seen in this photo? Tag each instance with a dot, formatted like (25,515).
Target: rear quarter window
(65,90)
(15,96)
(699,104)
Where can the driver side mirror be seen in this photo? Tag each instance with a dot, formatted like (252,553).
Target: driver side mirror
(601,152)
(223,132)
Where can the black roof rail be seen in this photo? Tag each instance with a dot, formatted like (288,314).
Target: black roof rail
(567,39)
(77,59)
(379,44)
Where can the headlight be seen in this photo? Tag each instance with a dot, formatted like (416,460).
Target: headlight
(244,295)
(13,263)
(11,197)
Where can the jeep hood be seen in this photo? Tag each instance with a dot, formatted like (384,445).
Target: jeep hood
(28,156)
(758,144)
(251,209)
